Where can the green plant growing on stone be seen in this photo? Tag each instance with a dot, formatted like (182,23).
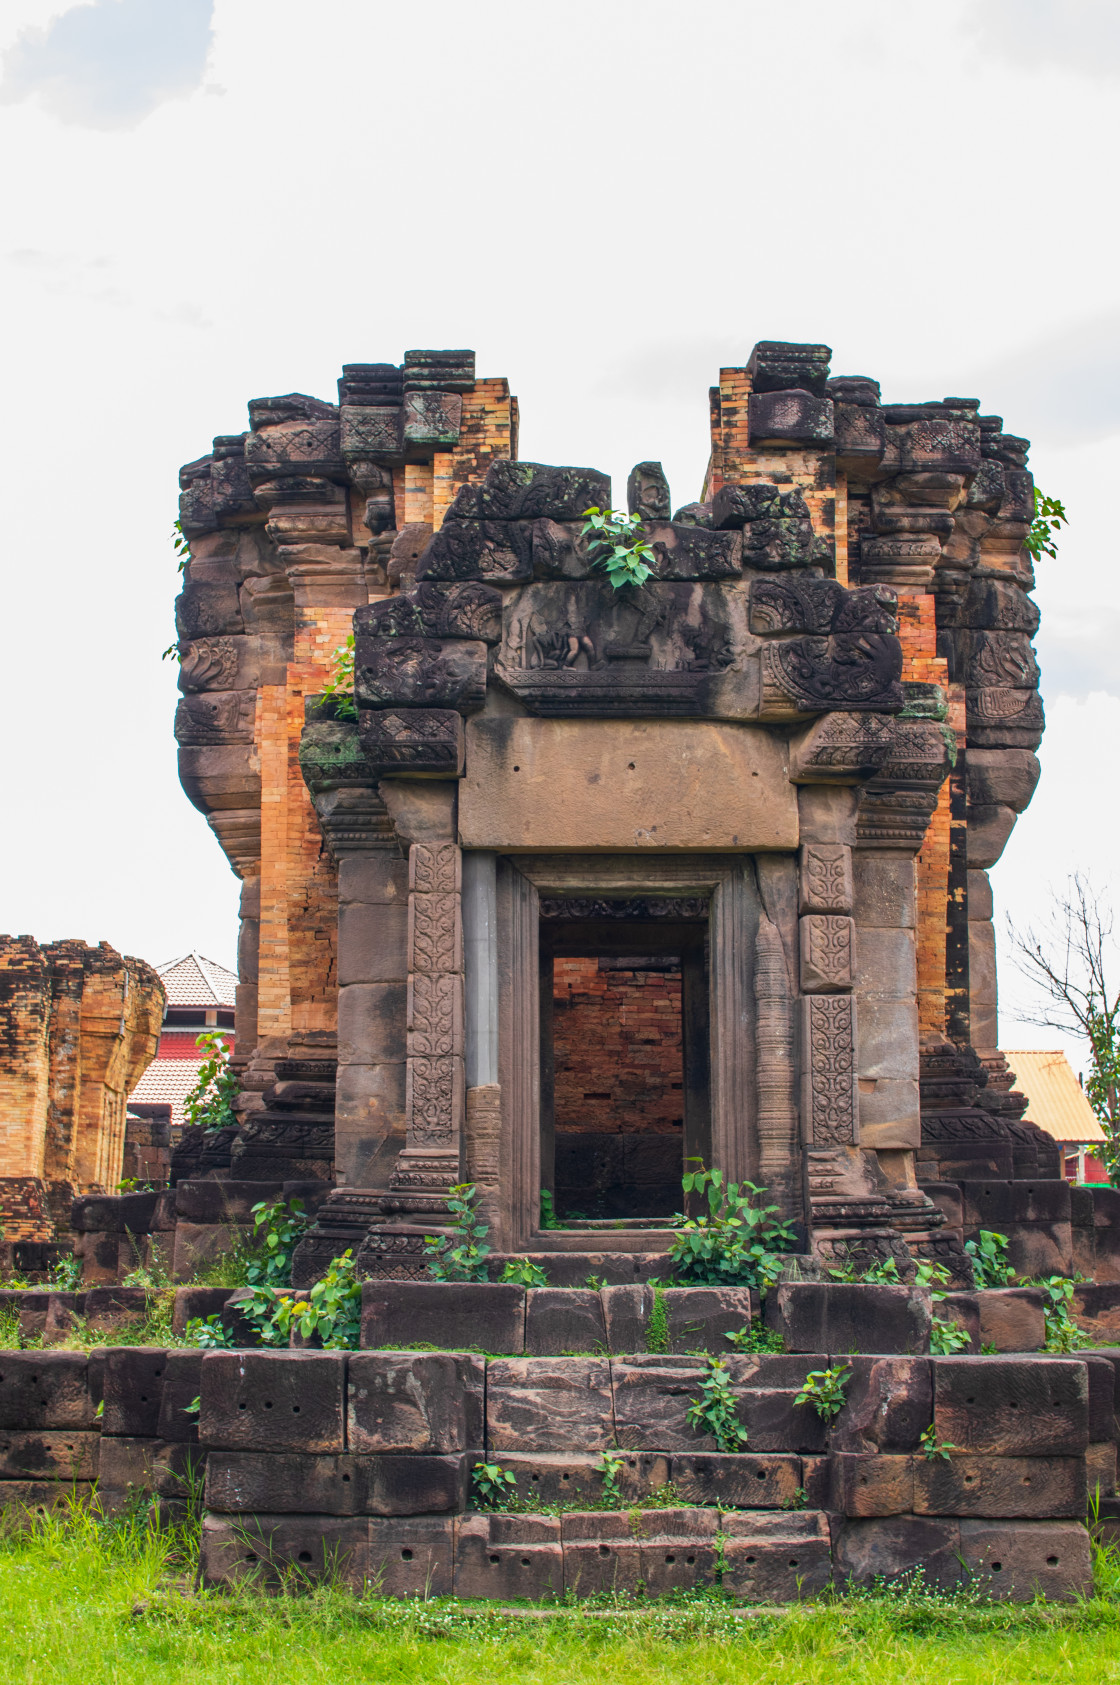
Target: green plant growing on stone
(800,1499)
(210,1101)
(989,1259)
(933,1447)
(462,1254)
(737,1242)
(826,1390)
(493,1485)
(756,1338)
(549,1219)
(340,685)
(714,1412)
(66,1274)
(1049,517)
(208,1332)
(278,1227)
(657,1326)
(932,1275)
(595,1282)
(610,1468)
(947,1337)
(882,1273)
(331,1310)
(615,545)
(522,1272)
(1062,1332)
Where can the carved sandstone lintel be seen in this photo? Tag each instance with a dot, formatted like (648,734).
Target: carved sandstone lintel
(829,1105)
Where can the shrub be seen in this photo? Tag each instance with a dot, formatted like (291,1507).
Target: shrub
(460,1255)
(826,1390)
(989,1259)
(737,1243)
(714,1411)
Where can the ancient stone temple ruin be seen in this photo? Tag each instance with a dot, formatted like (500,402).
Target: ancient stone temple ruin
(760,791)
(568,887)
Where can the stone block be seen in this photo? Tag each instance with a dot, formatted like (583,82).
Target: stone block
(874,1484)
(199,1244)
(371,1023)
(372,942)
(247,1481)
(1025,1559)
(1096,1309)
(412,1556)
(1004,1407)
(947,1198)
(24,1503)
(1011,1318)
(210,1201)
(889,1404)
(509,1556)
(48,1455)
(888,1546)
(624,784)
(678,1549)
(886,963)
(964,1310)
(884,890)
(789,418)
(117,1213)
(379,878)
(888,1040)
(181,1386)
(889,1113)
(774,1422)
(700,1318)
(626,1311)
(564,1319)
(273,1401)
(284,1550)
(116,1307)
(191,1302)
(45,1389)
(825,878)
(776,1558)
(739,1480)
(560,1478)
(651,1403)
(549,1404)
(172,1472)
(1000,1486)
(1100,1470)
(1101,1376)
(415,1402)
(452,1315)
(601,1554)
(841,1317)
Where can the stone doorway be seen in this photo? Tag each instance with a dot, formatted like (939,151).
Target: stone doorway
(624,1064)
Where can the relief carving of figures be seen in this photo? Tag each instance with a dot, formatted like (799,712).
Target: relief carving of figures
(845,670)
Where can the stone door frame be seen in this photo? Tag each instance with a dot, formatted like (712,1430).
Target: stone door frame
(736,910)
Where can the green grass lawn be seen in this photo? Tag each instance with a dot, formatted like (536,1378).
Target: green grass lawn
(97,1604)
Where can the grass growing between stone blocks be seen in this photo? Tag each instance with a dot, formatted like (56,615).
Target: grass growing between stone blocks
(109,1603)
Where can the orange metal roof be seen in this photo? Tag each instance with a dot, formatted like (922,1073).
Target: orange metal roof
(1057,1102)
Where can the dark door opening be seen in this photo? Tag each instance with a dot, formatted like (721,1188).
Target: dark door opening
(624,1064)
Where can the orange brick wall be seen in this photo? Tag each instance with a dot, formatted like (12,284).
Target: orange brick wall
(618,1049)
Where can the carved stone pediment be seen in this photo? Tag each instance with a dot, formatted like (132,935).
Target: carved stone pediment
(215,716)
(844,670)
(469,610)
(420,673)
(808,603)
(584,648)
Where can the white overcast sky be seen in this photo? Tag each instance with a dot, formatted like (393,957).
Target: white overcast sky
(202,204)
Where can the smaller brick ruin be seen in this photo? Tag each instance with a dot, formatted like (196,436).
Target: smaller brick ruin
(78,1027)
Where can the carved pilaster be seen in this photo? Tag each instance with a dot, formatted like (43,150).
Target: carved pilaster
(431,1161)
(828,1043)
(826,878)
(777,1119)
(827,940)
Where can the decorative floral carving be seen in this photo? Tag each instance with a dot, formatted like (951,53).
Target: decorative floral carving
(829,1043)
(826,878)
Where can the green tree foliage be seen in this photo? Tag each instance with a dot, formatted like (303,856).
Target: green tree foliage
(210,1101)
(340,685)
(1049,517)
(736,1242)
(616,545)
